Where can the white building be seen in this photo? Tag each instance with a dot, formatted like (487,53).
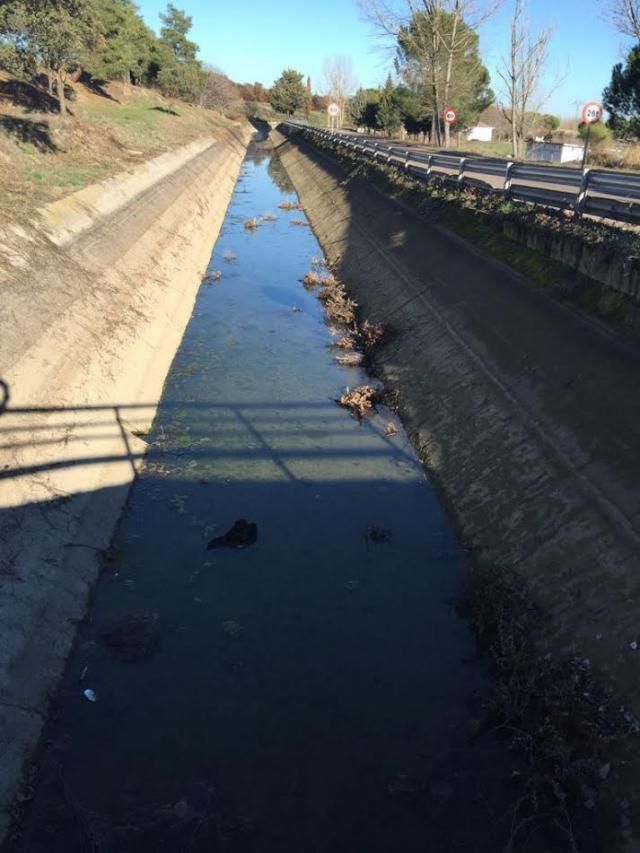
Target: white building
(554,152)
(481,133)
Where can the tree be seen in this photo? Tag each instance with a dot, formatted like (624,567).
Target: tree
(521,72)
(459,74)
(176,26)
(433,35)
(598,134)
(339,82)
(53,34)
(550,124)
(621,98)
(363,109)
(124,47)
(389,114)
(218,92)
(288,93)
(625,16)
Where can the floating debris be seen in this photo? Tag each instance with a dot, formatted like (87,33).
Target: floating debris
(360,400)
(269,217)
(233,629)
(289,205)
(351,359)
(345,342)
(379,534)
(229,256)
(242,533)
(90,695)
(296,310)
(311,280)
(251,224)
(212,277)
(390,429)
(299,222)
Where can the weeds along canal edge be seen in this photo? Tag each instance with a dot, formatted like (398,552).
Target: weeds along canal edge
(566,726)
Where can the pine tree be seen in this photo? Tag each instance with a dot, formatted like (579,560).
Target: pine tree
(288,93)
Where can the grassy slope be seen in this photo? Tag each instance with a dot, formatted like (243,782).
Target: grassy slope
(44,156)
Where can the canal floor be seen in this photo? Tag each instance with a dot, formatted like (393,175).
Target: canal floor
(311,692)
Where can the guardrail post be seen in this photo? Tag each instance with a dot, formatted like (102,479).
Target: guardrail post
(507,178)
(429,165)
(582,193)
(406,160)
(461,171)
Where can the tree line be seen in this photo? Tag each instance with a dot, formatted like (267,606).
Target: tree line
(109,40)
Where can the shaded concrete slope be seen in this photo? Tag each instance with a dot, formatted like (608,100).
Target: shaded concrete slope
(89,332)
(527,412)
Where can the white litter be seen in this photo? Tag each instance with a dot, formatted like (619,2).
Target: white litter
(90,695)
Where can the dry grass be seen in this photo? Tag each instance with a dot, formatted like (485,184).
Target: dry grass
(361,401)
(339,308)
(44,155)
(346,342)
(370,334)
(556,715)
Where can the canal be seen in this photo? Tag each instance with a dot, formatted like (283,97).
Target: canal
(313,691)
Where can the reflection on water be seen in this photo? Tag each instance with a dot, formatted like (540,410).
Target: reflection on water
(311,692)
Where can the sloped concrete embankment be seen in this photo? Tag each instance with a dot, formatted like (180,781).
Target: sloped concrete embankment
(95,300)
(526,412)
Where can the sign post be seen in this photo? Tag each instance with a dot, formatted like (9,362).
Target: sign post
(450,116)
(591,113)
(333,111)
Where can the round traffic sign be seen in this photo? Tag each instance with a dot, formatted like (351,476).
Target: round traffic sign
(592,112)
(450,116)
(333,110)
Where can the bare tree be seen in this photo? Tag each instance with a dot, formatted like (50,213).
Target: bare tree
(218,92)
(340,83)
(432,33)
(521,72)
(624,15)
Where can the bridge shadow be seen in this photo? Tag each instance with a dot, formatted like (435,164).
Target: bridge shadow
(352,675)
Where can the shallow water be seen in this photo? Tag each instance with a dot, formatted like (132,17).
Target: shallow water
(312,692)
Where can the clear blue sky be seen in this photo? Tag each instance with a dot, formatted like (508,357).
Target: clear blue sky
(255,39)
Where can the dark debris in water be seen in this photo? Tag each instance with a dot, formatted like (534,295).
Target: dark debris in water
(242,534)
(379,534)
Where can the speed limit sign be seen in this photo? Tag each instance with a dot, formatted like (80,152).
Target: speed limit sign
(592,112)
(333,110)
(450,116)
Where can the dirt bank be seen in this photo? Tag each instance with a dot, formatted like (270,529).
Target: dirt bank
(526,412)
(89,331)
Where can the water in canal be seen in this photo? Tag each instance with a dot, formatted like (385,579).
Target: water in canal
(311,692)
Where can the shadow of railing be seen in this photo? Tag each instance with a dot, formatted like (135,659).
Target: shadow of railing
(43,439)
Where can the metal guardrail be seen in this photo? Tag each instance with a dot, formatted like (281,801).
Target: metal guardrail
(596,192)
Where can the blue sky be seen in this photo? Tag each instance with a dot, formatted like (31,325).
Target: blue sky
(255,39)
